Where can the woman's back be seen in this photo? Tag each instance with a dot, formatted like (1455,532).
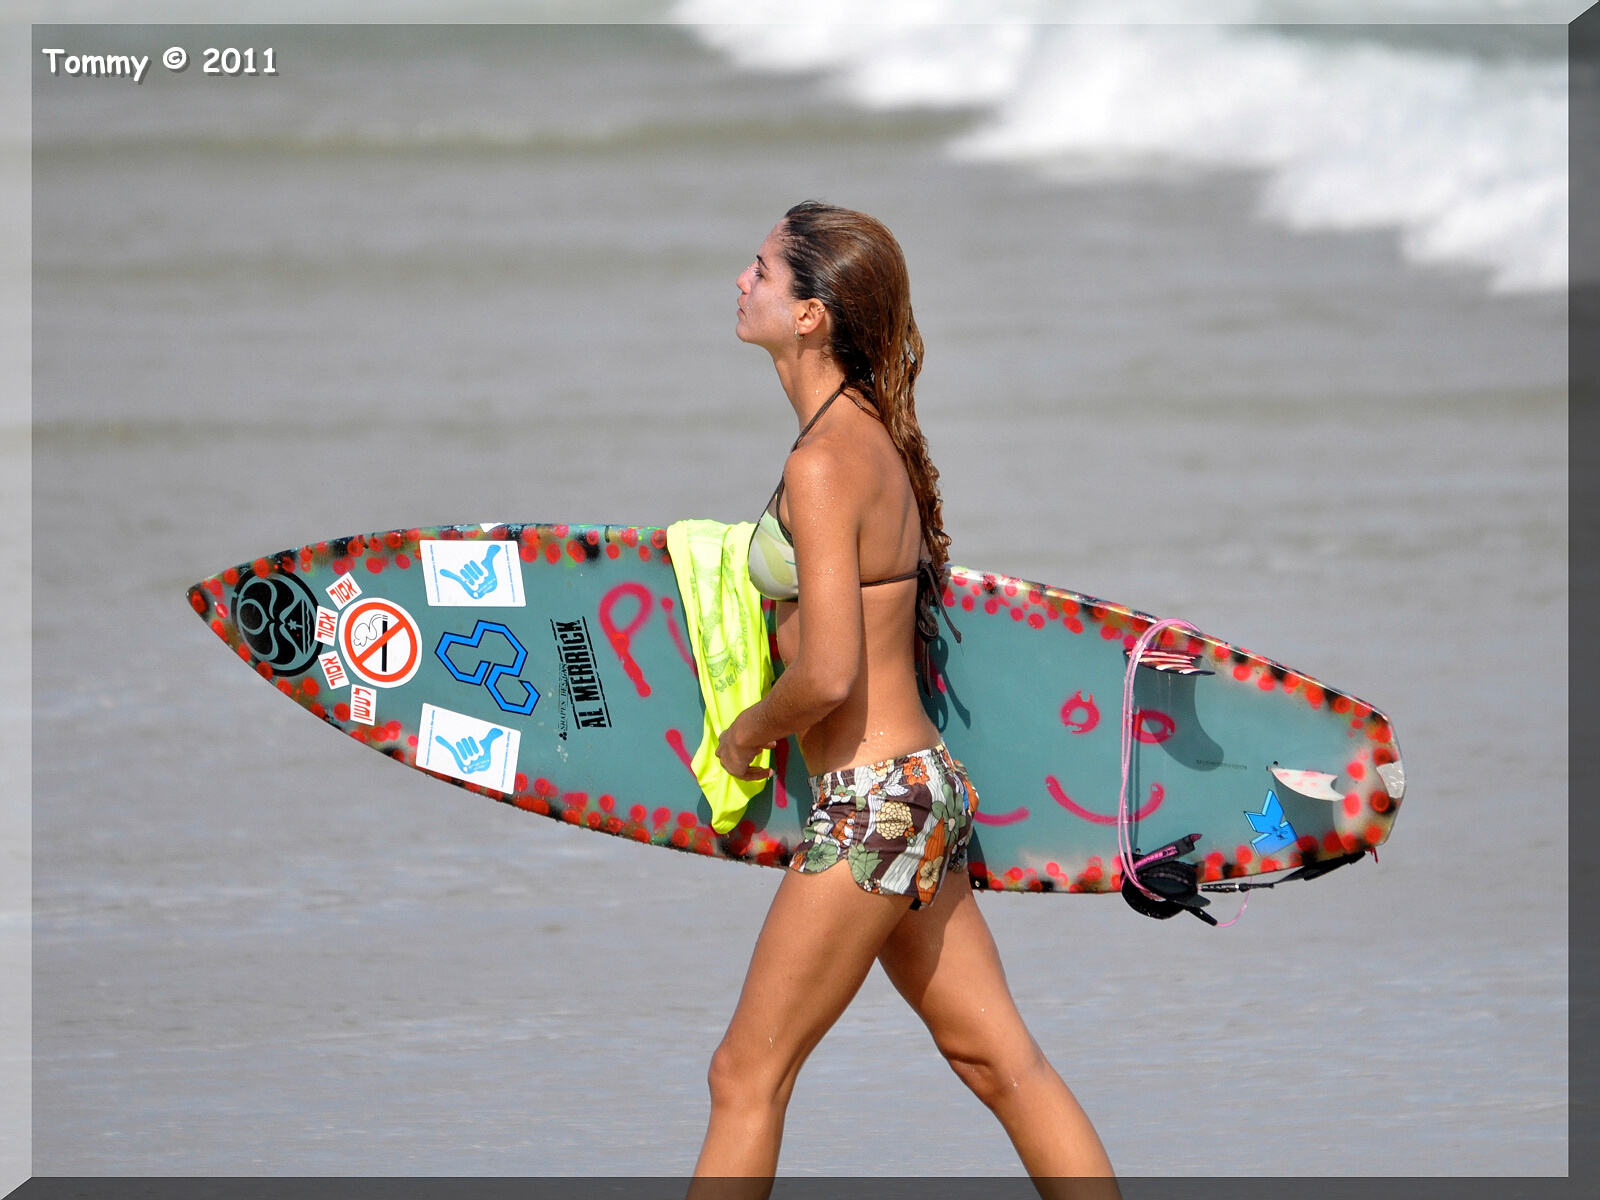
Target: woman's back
(848,468)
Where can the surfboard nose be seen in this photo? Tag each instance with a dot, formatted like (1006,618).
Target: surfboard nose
(206,599)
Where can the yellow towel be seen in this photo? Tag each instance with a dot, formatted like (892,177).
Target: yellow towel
(723,612)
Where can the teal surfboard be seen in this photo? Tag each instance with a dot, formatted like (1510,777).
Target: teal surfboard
(546,666)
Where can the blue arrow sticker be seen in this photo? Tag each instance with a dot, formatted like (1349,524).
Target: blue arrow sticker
(1273,831)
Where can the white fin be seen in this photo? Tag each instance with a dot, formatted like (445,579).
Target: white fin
(488,525)
(1394,779)
(1316,784)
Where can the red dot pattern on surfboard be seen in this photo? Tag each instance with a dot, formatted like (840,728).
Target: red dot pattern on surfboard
(1362,819)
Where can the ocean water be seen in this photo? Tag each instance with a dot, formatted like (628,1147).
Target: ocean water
(1236,366)
(1459,142)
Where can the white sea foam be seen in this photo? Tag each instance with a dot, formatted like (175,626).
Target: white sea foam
(1466,155)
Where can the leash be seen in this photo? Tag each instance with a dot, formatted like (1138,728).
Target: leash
(1125,851)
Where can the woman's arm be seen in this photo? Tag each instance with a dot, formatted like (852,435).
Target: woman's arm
(824,519)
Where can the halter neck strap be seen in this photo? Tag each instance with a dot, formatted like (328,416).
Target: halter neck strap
(817,416)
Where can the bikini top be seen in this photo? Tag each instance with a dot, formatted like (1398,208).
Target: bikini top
(772,568)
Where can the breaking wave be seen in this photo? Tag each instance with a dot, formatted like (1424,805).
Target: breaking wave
(1464,153)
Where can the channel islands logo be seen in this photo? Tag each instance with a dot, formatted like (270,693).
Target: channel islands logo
(277,616)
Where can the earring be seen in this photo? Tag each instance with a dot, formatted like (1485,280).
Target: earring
(797,333)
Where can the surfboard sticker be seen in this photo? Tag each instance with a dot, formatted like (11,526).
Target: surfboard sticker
(510,692)
(1394,779)
(1273,832)
(276,615)
(333,670)
(380,643)
(363,705)
(1316,784)
(475,574)
(465,748)
(343,590)
(327,626)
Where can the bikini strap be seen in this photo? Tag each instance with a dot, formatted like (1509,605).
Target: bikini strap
(817,416)
(772,504)
(914,573)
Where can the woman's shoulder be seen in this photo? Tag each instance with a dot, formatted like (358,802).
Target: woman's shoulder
(843,463)
(818,462)
(839,444)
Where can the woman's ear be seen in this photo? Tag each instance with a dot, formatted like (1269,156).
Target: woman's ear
(811,316)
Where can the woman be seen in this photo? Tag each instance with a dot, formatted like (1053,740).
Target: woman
(882,872)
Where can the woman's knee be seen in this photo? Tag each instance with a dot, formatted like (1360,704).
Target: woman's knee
(994,1078)
(742,1080)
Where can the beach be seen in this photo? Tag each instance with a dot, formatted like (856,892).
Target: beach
(474,274)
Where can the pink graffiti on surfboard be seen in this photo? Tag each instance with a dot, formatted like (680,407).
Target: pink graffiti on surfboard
(620,638)
(1157,795)
(677,638)
(1006,818)
(1079,703)
(675,740)
(1152,726)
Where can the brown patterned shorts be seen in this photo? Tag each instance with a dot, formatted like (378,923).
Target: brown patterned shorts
(900,824)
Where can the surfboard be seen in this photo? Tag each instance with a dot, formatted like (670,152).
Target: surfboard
(546,666)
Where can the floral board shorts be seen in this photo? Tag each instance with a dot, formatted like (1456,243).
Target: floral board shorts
(900,824)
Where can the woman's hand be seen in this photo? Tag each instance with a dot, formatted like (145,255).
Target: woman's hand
(736,749)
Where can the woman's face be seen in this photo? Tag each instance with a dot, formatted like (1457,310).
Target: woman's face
(768,312)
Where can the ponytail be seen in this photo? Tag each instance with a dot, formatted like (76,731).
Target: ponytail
(853,265)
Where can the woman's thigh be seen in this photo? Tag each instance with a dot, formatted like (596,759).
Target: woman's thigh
(943,961)
(816,947)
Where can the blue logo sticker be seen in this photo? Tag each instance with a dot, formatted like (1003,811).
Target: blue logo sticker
(472,756)
(489,673)
(478,580)
(1273,831)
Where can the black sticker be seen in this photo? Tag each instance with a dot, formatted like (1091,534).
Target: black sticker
(277,615)
(581,691)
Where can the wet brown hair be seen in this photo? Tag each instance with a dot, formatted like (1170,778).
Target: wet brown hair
(853,265)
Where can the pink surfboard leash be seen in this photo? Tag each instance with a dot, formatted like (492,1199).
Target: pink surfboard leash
(1125,853)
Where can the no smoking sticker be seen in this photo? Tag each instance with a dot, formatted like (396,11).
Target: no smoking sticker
(379,642)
